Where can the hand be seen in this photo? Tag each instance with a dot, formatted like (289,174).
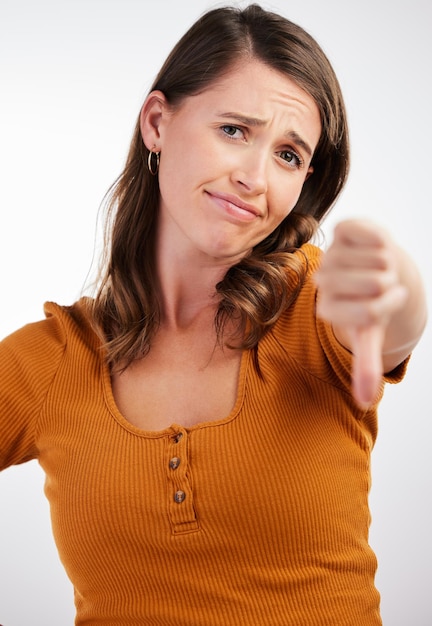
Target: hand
(359,292)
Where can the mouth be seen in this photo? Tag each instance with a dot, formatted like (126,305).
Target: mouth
(235,207)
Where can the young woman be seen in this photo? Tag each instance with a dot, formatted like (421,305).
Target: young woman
(206,421)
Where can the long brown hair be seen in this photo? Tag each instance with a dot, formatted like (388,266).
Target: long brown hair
(256,290)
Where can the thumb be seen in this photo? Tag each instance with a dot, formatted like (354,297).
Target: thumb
(367,369)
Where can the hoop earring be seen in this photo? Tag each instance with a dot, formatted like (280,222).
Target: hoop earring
(153,169)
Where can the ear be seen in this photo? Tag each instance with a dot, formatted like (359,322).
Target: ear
(152,112)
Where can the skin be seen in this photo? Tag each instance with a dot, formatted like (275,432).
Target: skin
(226,182)
(372,293)
(233,160)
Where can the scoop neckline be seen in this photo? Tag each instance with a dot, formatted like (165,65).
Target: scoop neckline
(174,426)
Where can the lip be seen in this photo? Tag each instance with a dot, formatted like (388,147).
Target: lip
(234,206)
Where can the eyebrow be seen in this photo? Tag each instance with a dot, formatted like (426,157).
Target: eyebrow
(256,122)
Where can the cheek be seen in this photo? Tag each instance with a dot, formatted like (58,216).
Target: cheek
(173,174)
(182,165)
(180,179)
(284,200)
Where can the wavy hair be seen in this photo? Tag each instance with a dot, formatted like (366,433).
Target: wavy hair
(254,292)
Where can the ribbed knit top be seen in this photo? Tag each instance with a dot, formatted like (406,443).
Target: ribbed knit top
(260,518)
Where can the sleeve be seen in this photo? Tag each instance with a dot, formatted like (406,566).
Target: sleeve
(29,359)
(341,358)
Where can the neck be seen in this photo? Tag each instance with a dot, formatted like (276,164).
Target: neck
(187,278)
(187,291)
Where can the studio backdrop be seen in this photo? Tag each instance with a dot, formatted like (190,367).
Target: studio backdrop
(73,75)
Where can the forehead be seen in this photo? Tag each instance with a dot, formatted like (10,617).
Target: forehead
(255,90)
(248,68)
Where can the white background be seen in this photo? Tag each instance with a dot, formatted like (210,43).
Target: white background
(73,76)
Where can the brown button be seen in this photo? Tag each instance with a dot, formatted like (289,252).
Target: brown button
(174,462)
(179,496)
(177,437)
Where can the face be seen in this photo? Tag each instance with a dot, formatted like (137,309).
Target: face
(233,161)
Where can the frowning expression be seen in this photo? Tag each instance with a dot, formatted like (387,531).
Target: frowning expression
(233,161)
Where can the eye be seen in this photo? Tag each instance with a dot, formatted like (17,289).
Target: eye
(231,131)
(291,158)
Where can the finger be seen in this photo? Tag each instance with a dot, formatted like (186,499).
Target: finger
(354,232)
(363,313)
(367,363)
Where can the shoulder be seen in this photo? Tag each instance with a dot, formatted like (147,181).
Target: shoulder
(304,306)
(73,322)
(296,329)
(47,339)
(308,341)
(311,256)
(30,361)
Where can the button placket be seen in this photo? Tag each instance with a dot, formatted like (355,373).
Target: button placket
(179,489)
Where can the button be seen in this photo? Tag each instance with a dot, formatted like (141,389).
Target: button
(177,437)
(174,462)
(179,496)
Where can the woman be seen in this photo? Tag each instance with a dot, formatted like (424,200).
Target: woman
(205,423)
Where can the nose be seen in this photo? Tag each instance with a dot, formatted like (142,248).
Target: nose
(251,172)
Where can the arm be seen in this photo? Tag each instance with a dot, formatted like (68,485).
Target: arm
(372,293)
(29,360)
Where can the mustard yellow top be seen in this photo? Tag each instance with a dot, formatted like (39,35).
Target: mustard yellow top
(260,518)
